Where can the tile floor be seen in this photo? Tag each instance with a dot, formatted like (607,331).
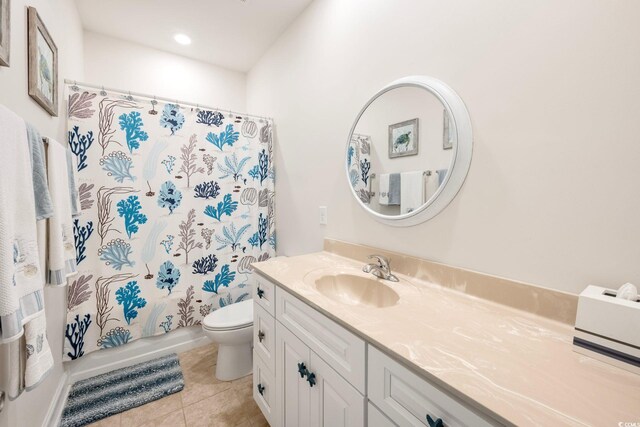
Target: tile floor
(204,401)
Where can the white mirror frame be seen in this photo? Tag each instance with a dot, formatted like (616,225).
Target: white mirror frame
(460,125)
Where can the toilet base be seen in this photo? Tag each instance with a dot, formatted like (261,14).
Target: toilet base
(234,361)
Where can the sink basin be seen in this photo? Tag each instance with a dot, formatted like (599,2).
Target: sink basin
(356,290)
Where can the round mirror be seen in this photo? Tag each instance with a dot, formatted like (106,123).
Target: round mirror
(409,151)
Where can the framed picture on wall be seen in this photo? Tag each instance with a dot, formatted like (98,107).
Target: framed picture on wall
(43,64)
(403,139)
(447,138)
(5,32)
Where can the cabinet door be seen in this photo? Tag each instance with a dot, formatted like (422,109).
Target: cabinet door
(293,391)
(264,390)
(342,349)
(334,402)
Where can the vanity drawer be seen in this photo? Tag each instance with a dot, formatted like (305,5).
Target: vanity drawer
(264,336)
(341,349)
(264,389)
(264,293)
(407,399)
(375,418)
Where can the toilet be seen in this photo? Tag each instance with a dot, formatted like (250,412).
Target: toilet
(231,327)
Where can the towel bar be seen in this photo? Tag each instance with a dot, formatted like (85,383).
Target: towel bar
(373,175)
(371,178)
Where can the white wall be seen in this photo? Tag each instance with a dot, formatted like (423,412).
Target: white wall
(63,23)
(128,66)
(552,196)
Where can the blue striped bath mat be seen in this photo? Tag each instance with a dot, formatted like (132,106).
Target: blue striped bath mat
(104,395)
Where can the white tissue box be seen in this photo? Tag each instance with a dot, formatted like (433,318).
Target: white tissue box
(608,328)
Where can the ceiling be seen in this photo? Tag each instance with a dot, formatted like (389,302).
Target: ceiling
(230,33)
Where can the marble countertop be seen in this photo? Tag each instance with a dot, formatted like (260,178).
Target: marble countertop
(515,366)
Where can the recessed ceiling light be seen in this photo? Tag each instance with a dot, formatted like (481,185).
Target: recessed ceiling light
(183,39)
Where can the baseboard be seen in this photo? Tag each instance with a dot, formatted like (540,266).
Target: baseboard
(58,400)
(106,360)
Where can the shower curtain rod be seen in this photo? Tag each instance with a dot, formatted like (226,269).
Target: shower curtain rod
(160,98)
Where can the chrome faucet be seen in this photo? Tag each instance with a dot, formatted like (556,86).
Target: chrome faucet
(380,269)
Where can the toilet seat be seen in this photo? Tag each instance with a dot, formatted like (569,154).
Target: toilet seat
(229,318)
(232,328)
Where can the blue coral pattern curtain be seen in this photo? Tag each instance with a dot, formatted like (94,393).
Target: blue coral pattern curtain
(177,202)
(359,164)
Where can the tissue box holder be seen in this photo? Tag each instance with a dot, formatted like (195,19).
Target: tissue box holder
(608,328)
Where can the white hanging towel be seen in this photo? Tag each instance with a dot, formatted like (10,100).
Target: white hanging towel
(30,359)
(61,262)
(21,280)
(383,188)
(38,353)
(411,191)
(432,185)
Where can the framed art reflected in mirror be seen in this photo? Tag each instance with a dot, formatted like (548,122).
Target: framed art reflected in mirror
(5,32)
(43,64)
(403,139)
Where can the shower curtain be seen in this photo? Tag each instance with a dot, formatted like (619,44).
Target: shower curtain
(359,164)
(177,202)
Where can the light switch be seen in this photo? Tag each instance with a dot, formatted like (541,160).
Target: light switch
(323,215)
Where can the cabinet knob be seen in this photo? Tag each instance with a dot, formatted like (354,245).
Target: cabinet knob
(261,389)
(434,423)
(260,335)
(302,370)
(260,292)
(311,378)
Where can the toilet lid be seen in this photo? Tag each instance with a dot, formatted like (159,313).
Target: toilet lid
(232,316)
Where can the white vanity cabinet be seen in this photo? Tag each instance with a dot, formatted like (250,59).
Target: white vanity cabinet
(308,370)
(408,400)
(311,371)
(309,391)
